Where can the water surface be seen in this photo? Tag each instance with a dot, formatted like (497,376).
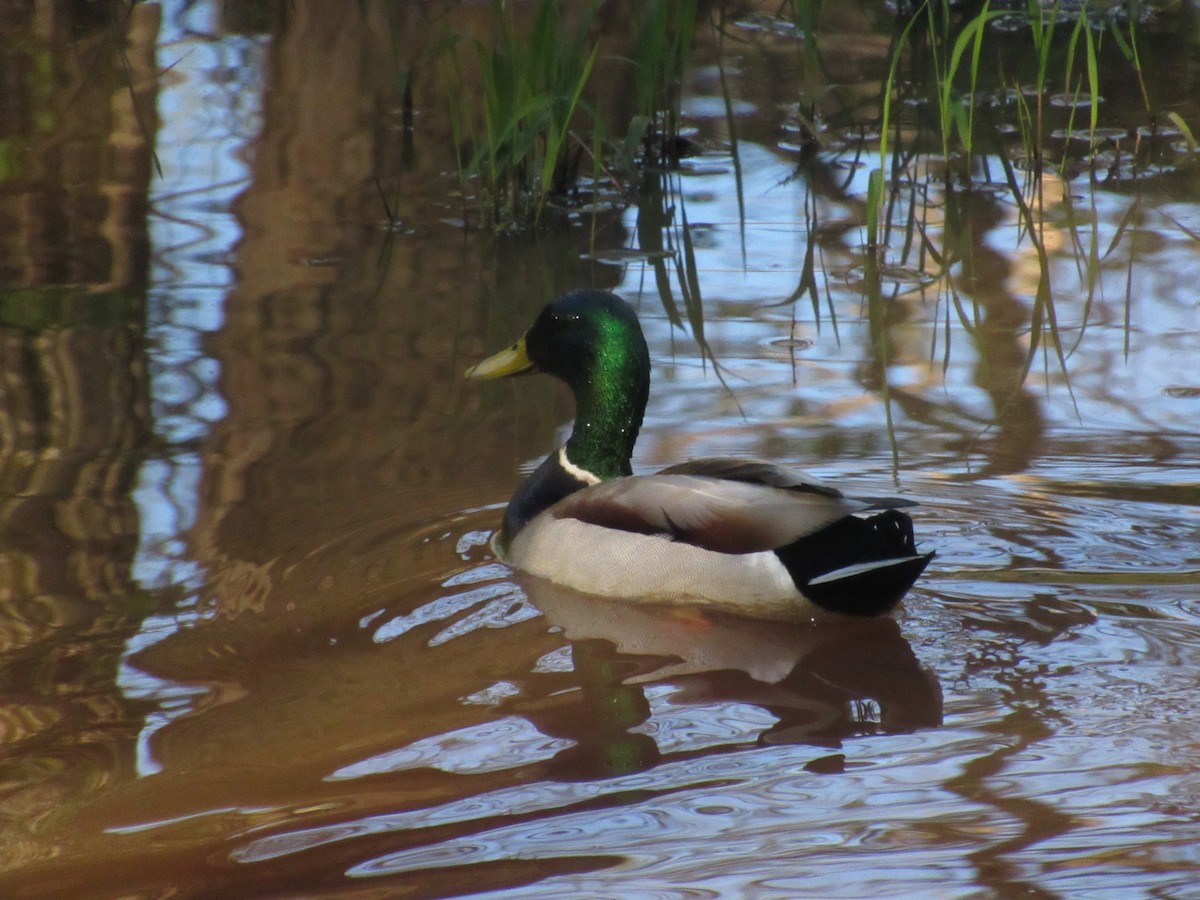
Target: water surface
(252,637)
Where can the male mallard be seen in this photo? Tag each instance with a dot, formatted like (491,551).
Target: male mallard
(735,534)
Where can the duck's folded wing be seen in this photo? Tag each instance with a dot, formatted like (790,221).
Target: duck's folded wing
(728,516)
(769,474)
(752,471)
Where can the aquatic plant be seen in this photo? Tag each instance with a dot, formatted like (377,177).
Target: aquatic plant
(530,87)
(531,132)
(963,68)
(661,50)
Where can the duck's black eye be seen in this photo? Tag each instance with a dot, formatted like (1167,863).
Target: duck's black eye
(563,320)
(559,324)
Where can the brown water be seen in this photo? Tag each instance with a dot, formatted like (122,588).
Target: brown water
(252,641)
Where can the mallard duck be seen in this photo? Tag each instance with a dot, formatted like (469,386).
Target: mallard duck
(740,535)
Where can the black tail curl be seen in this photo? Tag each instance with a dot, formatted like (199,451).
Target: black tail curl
(850,542)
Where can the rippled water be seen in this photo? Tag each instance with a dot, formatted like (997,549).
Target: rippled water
(252,637)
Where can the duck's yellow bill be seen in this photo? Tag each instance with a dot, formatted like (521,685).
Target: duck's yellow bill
(510,361)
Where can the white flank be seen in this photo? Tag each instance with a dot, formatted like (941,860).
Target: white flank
(653,568)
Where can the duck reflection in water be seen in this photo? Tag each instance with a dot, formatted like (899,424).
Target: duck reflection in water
(823,683)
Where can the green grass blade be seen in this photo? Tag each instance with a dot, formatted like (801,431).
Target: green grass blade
(1093,75)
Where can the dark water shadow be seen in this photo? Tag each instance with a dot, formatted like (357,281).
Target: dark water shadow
(824,683)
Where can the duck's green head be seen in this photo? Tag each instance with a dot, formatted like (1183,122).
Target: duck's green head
(581,335)
(591,340)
